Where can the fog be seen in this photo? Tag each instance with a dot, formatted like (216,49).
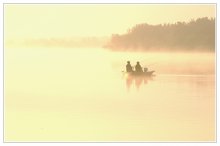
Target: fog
(169,62)
(81,95)
(57,42)
(196,35)
(65,81)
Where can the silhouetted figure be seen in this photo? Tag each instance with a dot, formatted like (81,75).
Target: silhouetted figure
(138,68)
(129,67)
(145,69)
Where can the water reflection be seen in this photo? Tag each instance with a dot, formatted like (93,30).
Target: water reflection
(138,81)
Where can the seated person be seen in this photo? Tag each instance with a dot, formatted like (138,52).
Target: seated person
(138,68)
(145,69)
(129,67)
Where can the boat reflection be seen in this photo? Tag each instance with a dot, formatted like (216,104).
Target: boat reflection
(138,81)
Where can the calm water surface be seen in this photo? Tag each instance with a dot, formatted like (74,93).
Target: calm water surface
(82,95)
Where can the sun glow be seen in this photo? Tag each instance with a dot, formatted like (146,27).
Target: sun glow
(66,20)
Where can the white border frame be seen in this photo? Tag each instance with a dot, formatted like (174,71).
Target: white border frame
(104,2)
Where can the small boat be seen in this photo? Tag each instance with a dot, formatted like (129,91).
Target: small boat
(140,74)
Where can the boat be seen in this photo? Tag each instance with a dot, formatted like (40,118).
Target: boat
(140,74)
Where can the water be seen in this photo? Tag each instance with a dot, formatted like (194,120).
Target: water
(81,95)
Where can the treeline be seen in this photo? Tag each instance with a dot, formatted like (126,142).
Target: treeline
(72,42)
(197,34)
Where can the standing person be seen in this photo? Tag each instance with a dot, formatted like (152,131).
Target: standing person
(138,68)
(129,67)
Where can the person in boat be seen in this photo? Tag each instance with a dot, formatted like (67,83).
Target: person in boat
(138,68)
(129,67)
(145,70)
(148,72)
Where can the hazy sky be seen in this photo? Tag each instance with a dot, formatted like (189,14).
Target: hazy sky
(70,20)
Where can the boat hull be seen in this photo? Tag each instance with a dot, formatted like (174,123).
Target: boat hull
(141,74)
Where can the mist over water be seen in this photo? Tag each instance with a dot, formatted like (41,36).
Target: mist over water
(65,94)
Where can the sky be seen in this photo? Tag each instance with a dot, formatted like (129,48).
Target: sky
(83,20)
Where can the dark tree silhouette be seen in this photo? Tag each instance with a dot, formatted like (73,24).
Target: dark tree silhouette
(197,34)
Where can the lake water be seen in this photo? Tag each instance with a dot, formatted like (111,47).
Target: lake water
(58,94)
